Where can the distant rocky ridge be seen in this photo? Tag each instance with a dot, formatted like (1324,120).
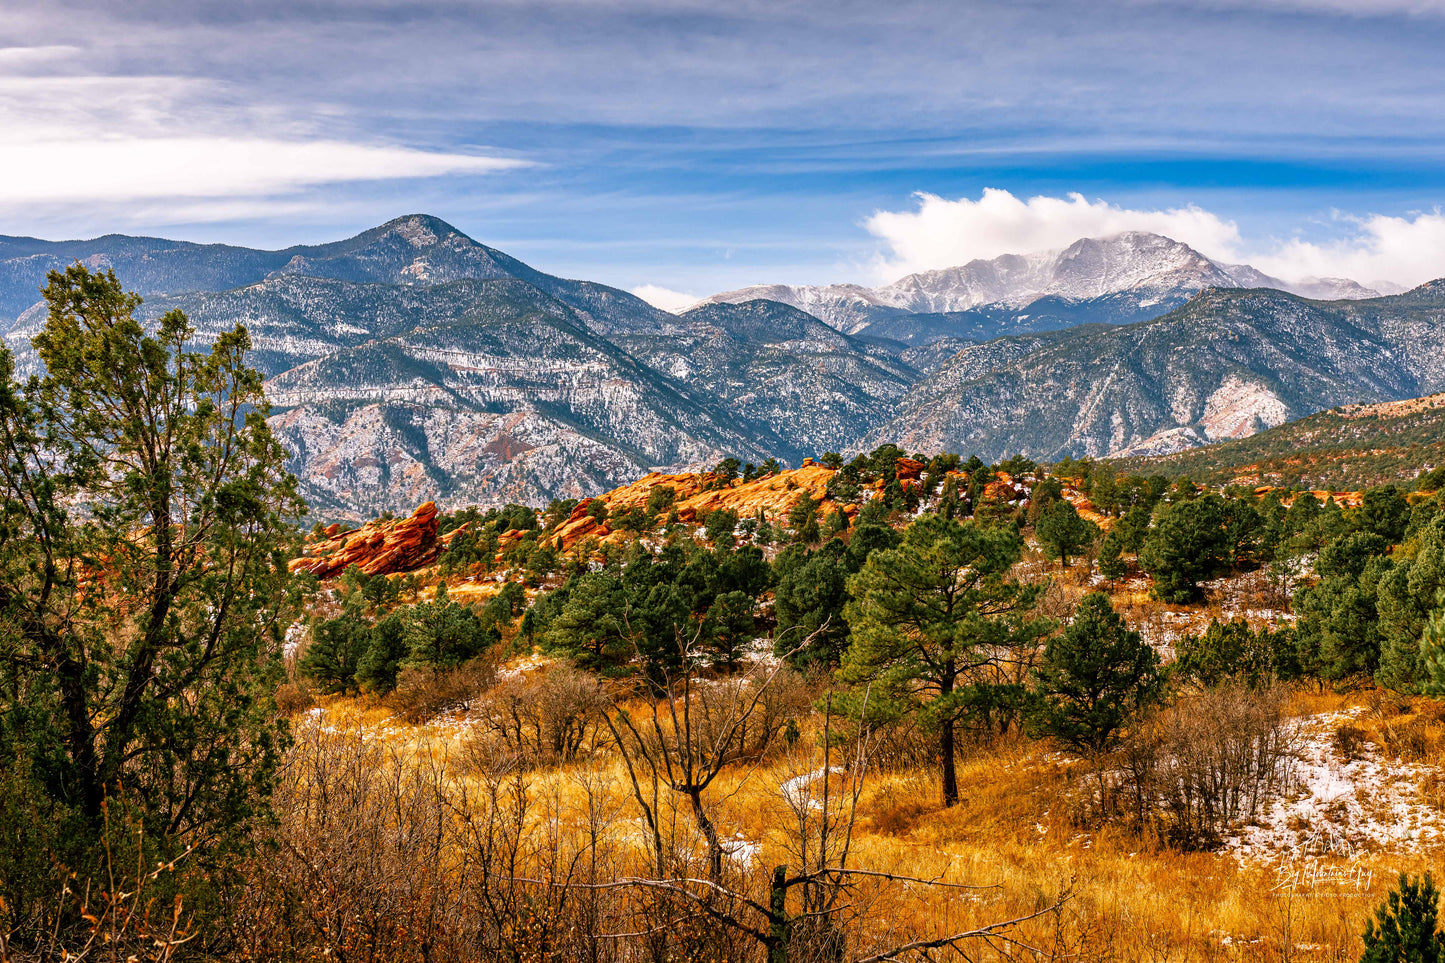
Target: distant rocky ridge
(412,364)
(1225,365)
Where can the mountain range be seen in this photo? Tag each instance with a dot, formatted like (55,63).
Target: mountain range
(411,362)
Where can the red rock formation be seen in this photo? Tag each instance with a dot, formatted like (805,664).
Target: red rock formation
(910,469)
(379,547)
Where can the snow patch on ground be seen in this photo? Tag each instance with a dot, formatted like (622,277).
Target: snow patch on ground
(524,666)
(739,850)
(1342,805)
(798,790)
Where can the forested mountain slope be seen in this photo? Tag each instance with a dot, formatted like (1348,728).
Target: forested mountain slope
(1346,448)
(1225,365)
(411,362)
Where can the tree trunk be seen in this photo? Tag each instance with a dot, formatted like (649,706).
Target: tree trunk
(946,743)
(950,771)
(778,917)
(81,738)
(709,832)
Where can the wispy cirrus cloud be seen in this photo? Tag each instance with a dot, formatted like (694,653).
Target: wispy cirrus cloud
(1349,8)
(73,139)
(74,170)
(753,129)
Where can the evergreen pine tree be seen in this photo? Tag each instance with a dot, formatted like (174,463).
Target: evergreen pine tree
(803,518)
(930,618)
(1063,532)
(1404,929)
(1094,677)
(337,645)
(385,651)
(1111,560)
(1432,650)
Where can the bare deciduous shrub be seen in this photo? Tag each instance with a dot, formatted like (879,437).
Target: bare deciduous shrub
(544,719)
(293,698)
(363,867)
(1383,703)
(424,692)
(904,747)
(784,698)
(124,913)
(1194,769)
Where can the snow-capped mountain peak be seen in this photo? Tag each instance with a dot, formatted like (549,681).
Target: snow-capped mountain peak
(1151,268)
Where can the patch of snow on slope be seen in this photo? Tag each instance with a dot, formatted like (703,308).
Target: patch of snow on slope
(1365,803)
(1165,442)
(798,790)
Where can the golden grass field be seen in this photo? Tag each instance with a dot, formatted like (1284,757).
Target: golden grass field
(1017,835)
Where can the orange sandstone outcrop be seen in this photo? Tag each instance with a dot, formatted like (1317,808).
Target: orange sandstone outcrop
(1342,499)
(379,547)
(580,525)
(775,495)
(910,469)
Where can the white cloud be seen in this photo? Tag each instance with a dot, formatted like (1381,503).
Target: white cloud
(84,139)
(1403,250)
(664,298)
(943,233)
(142,168)
(29,56)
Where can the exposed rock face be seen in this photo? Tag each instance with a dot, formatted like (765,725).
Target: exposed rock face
(379,547)
(1240,408)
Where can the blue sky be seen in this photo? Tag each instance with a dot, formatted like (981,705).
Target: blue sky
(701,146)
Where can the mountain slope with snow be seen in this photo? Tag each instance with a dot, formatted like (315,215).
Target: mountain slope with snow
(411,362)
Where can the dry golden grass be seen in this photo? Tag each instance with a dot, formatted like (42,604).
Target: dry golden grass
(1014,832)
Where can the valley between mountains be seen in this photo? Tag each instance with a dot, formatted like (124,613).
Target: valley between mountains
(411,363)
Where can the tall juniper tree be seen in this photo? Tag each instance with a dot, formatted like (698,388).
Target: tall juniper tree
(144,509)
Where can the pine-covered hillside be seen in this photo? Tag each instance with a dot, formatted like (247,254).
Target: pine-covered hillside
(1350,447)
